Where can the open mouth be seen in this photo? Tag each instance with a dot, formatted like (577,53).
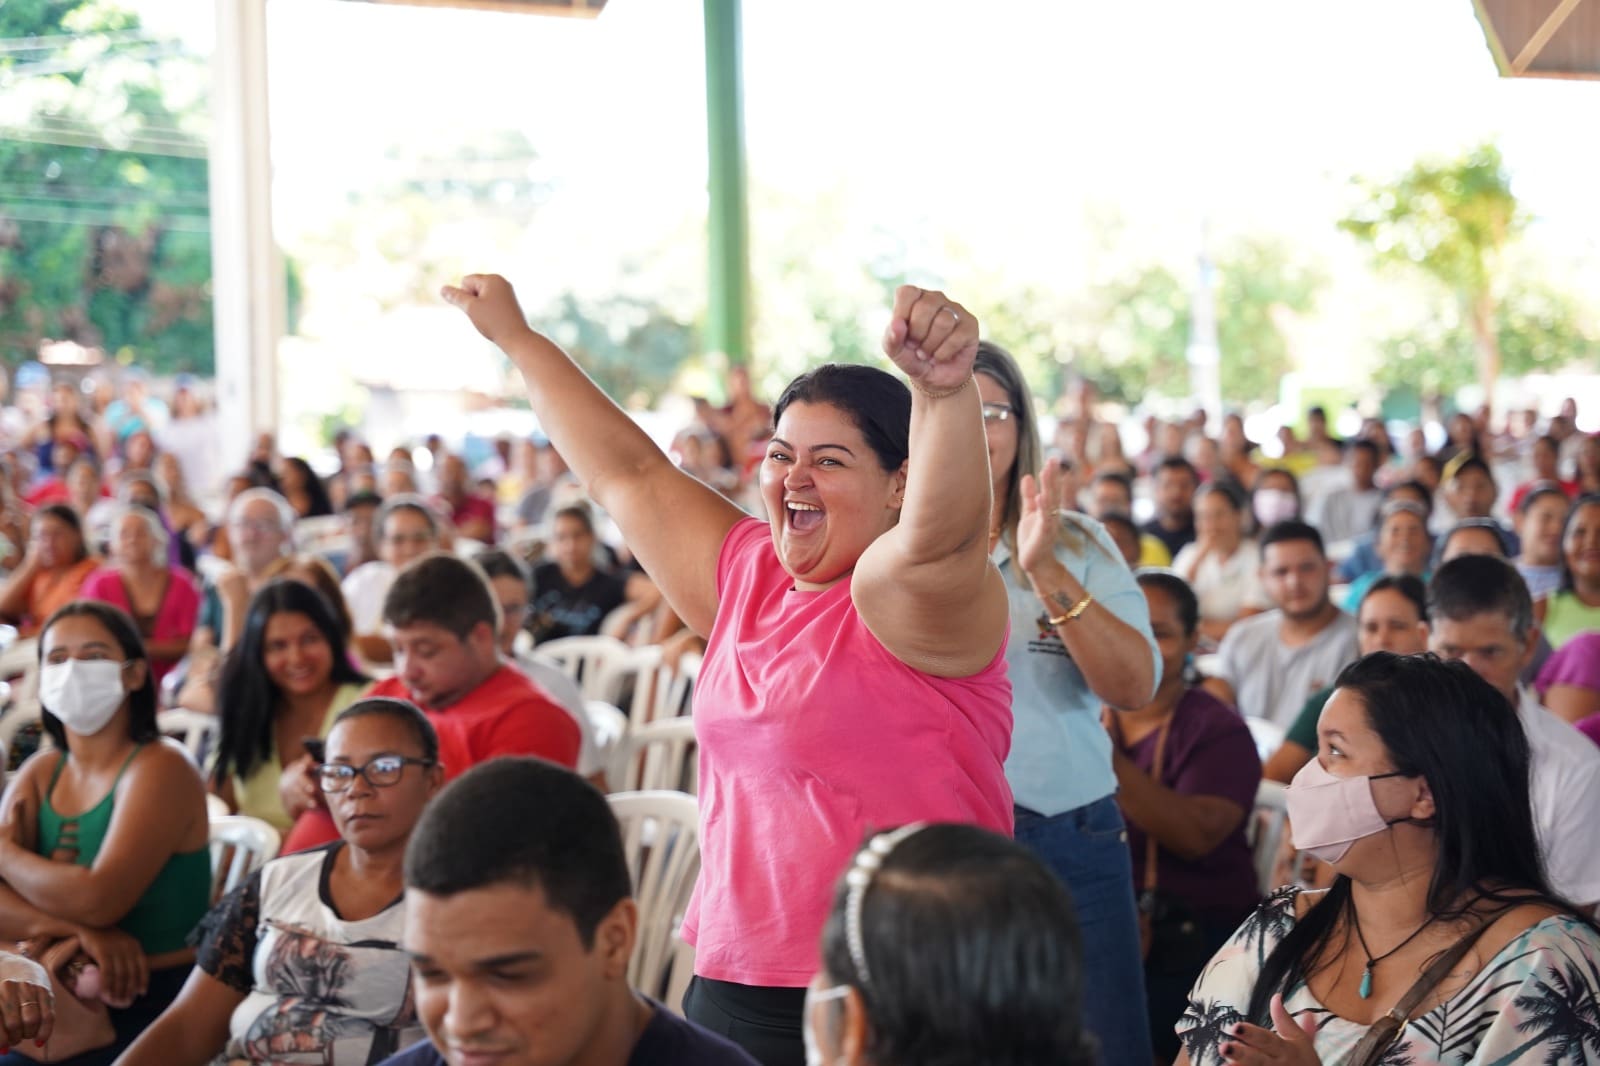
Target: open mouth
(803,517)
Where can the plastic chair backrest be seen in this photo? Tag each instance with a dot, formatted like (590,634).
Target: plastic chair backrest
(657,755)
(583,659)
(610,726)
(1264,830)
(1268,735)
(661,842)
(195,731)
(240,845)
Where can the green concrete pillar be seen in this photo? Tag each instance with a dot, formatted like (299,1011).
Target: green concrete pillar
(728,226)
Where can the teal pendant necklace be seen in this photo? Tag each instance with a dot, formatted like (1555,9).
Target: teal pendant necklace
(1366,974)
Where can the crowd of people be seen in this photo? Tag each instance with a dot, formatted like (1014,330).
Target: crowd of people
(982,719)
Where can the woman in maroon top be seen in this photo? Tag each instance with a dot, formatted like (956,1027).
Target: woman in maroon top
(1187,773)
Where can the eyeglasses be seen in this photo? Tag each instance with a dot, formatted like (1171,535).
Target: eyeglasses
(997,412)
(260,528)
(381,772)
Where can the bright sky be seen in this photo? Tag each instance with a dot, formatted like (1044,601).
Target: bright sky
(1006,124)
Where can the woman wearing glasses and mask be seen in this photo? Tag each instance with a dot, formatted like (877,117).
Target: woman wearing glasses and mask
(302,963)
(1080,638)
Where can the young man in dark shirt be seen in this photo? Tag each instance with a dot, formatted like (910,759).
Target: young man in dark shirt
(520,923)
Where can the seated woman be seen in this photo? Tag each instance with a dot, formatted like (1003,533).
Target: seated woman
(571,595)
(1274,498)
(1575,607)
(1569,683)
(1440,940)
(287,679)
(1471,536)
(948,944)
(57,562)
(1222,565)
(163,600)
(1541,514)
(302,963)
(1403,548)
(1187,774)
(106,839)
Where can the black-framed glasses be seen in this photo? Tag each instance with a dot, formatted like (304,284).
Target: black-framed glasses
(997,412)
(380,772)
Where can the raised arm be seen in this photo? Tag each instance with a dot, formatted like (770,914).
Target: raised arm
(926,588)
(673,523)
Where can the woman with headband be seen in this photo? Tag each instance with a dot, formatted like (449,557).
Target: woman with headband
(948,944)
(854,673)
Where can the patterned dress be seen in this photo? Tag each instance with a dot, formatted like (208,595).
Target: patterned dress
(1537,1001)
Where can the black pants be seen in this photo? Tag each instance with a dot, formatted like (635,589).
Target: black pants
(764,1021)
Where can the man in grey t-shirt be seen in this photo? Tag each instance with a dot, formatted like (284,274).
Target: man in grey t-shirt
(1271,663)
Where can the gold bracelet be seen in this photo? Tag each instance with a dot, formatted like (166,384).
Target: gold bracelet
(942,393)
(1072,612)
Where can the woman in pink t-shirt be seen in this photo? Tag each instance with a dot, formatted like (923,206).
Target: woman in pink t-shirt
(163,600)
(854,677)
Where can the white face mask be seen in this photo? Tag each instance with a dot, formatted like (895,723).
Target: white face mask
(1275,505)
(814,1056)
(83,693)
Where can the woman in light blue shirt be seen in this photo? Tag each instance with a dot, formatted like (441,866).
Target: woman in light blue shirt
(1080,638)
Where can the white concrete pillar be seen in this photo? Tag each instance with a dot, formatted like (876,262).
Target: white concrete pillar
(247,271)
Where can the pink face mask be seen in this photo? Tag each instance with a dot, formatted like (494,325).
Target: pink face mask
(1327,814)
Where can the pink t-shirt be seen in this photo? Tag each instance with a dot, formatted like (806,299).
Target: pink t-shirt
(812,735)
(176,617)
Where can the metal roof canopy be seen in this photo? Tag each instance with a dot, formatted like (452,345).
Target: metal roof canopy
(579,8)
(1542,38)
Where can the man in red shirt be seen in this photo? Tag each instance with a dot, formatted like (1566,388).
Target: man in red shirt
(472,515)
(444,623)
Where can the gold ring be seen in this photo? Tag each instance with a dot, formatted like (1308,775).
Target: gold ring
(28,1003)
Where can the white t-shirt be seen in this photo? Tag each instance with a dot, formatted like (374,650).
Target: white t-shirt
(1224,586)
(1272,680)
(1564,782)
(364,589)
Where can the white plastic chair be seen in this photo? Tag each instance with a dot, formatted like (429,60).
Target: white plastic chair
(1264,831)
(583,659)
(657,755)
(318,535)
(240,845)
(195,731)
(216,807)
(1269,736)
(676,697)
(609,726)
(661,841)
(633,680)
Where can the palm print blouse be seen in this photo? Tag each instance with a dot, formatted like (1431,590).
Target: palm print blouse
(1537,1001)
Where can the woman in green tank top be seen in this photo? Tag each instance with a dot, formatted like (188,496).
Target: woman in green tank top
(103,840)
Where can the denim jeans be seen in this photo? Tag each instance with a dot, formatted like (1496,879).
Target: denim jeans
(1088,849)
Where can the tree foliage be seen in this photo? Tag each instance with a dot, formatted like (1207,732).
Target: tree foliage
(104,228)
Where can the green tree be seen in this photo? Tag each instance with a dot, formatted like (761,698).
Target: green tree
(1453,220)
(630,345)
(104,216)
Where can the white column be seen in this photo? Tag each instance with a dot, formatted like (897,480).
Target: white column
(247,272)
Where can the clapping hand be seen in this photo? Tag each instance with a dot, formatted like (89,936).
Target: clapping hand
(1289,1041)
(1041,518)
(931,338)
(490,304)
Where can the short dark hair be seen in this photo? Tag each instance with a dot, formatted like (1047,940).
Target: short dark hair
(403,711)
(1227,490)
(364,498)
(1488,525)
(1361,444)
(495,562)
(1408,585)
(1471,462)
(1177,462)
(579,512)
(1182,593)
(876,402)
(527,822)
(1470,585)
(1291,529)
(439,588)
(1540,490)
(973,952)
(1415,486)
(408,501)
(1118,477)
(141,701)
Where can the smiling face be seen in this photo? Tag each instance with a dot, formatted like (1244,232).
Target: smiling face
(295,654)
(1403,543)
(377,819)
(827,495)
(502,978)
(1581,544)
(1540,529)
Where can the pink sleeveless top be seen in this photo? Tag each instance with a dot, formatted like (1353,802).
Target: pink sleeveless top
(812,735)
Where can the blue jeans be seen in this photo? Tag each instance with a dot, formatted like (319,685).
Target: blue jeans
(1088,849)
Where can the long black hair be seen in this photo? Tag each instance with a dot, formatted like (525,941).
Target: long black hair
(1439,721)
(246,696)
(316,492)
(973,952)
(1590,500)
(141,701)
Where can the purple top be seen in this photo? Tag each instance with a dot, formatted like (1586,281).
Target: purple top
(1576,663)
(1209,753)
